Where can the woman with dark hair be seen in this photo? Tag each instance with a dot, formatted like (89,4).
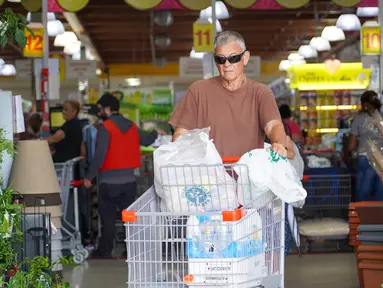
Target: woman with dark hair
(364,128)
(292,127)
(68,140)
(32,124)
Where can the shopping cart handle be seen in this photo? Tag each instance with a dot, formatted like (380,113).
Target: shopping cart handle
(76,183)
(230,159)
(77,159)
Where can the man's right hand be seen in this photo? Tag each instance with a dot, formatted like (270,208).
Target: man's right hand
(178,133)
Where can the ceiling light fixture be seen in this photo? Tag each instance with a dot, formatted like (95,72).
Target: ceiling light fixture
(163,18)
(55,28)
(72,48)
(221,11)
(333,34)
(367,12)
(196,55)
(320,44)
(307,51)
(284,65)
(88,55)
(62,40)
(133,82)
(98,71)
(295,57)
(8,70)
(218,27)
(348,22)
(2,62)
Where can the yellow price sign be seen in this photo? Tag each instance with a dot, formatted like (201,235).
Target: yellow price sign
(35,44)
(370,40)
(203,36)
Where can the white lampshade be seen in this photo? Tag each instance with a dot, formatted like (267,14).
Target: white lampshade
(348,22)
(2,62)
(88,55)
(284,65)
(72,48)
(297,62)
(221,11)
(367,12)
(51,16)
(62,40)
(320,44)
(197,55)
(307,51)
(333,34)
(295,56)
(55,28)
(218,27)
(7,70)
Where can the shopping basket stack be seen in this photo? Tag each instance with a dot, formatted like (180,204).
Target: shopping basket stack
(368,217)
(240,248)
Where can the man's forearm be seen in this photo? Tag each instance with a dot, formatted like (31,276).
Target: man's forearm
(178,133)
(275,131)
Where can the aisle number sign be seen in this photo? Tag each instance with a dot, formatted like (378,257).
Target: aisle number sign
(35,44)
(203,36)
(370,40)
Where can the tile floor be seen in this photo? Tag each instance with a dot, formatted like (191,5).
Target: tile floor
(310,271)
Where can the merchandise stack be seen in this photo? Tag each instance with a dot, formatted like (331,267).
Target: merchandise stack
(34,179)
(367,237)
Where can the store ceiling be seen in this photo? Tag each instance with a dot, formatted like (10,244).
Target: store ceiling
(121,34)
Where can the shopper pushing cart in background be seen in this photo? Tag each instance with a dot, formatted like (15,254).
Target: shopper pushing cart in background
(117,155)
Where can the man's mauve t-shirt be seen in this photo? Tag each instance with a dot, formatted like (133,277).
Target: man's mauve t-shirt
(237,118)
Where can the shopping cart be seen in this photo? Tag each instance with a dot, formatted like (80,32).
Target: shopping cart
(71,227)
(239,248)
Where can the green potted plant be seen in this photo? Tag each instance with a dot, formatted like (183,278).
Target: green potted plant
(12,27)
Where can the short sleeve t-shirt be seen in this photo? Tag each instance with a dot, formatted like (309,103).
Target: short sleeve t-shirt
(364,127)
(236,118)
(70,147)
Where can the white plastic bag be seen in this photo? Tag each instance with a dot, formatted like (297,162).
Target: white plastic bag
(269,170)
(189,175)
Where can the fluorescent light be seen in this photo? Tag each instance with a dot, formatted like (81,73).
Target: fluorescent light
(221,11)
(51,16)
(284,65)
(348,22)
(333,33)
(8,70)
(133,82)
(55,28)
(295,56)
(72,48)
(62,40)
(307,51)
(218,27)
(320,44)
(197,55)
(367,12)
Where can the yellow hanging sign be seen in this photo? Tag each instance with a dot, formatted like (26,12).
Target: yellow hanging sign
(35,44)
(241,4)
(317,77)
(370,38)
(346,3)
(203,36)
(195,4)
(292,4)
(72,5)
(143,4)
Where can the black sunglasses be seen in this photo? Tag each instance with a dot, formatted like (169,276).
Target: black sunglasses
(232,59)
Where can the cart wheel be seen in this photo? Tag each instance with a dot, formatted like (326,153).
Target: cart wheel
(85,252)
(78,258)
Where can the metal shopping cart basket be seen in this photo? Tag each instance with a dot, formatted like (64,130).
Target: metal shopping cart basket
(71,226)
(239,248)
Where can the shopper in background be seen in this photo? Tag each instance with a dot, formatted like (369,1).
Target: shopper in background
(32,124)
(117,155)
(68,140)
(294,129)
(364,128)
(241,112)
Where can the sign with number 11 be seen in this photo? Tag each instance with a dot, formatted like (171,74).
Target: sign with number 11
(203,37)
(35,44)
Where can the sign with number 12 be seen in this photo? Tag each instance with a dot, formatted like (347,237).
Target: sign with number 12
(203,37)
(35,44)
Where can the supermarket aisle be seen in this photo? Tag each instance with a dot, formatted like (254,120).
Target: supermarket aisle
(314,271)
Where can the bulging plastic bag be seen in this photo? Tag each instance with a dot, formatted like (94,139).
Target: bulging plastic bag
(189,175)
(269,171)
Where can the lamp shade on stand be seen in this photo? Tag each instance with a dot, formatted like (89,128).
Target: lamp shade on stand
(34,177)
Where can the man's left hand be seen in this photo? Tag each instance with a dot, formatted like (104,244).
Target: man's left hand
(280,149)
(87,183)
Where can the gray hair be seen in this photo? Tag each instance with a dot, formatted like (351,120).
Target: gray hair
(226,37)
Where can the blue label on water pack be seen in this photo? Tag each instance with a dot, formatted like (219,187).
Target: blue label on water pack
(197,195)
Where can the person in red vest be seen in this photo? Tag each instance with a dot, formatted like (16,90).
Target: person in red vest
(117,155)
